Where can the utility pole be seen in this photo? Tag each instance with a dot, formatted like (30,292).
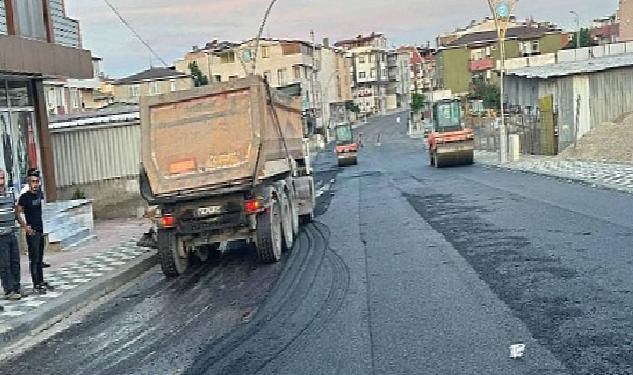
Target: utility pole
(577,28)
(502,11)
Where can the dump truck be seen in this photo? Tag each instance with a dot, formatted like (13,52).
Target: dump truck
(225,162)
(450,143)
(346,147)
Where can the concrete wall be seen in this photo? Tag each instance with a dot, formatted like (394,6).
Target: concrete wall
(116,198)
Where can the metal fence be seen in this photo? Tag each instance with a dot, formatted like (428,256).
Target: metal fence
(532,135)
(85,154)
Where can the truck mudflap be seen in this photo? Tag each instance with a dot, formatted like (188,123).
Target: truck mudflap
(305,195)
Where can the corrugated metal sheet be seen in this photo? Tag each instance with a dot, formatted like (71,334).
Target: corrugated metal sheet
(575,67)
(97,153)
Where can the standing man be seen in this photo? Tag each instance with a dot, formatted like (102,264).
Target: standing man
(26,188)
(9,252)
(30,218)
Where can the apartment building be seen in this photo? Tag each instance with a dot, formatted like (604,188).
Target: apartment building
(150,82)
(625,20)
(65,29)
(30,51)
(472,58)
(312,71)
(378,75)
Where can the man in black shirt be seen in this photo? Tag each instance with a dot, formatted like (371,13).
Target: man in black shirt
(30,217)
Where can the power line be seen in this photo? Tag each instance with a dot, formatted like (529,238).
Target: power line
(136,34)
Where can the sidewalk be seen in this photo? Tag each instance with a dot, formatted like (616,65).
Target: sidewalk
(79,276)
(598,174)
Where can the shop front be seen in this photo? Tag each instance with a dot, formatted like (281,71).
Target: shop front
(18,130)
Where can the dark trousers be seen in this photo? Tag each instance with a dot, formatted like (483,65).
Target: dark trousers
(35,244)
(9,264)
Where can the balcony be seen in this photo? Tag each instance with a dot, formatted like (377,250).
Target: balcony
(481,65)
(33,57)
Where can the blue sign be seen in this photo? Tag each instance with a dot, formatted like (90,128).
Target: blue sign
(503,10)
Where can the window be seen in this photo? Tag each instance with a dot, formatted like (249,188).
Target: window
(154,89)
(361,59)
(267,76)
(281,77)
(372,58)
(29,16)
(135,91)
(172,85)
(74,98)
(227,57)
(372,74)
(290,48)
(297,71)
(19,94)
(265,52)
(217,78)
(535,46)
(4,101)
(231,78)
(361,75)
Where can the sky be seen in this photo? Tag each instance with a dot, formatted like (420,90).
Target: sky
(173,27)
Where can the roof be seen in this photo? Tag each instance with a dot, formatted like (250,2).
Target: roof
(491,36)
(575,67)
(359,39)
(116,114)
(151,74)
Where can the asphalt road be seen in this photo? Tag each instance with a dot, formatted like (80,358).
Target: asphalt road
(407,270)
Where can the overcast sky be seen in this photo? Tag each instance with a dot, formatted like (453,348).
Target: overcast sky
(173,27)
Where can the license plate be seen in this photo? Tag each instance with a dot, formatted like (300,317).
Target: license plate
(208,211)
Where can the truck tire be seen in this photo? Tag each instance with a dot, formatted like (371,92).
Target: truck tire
(173,259)
(286,221)
(269,235)
(431,159)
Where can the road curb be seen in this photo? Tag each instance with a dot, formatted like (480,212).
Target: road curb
(566,179)
(75,300)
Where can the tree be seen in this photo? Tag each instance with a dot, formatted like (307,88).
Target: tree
(199,79)
(352,107)
(585,39)
(418,101)
(490,94)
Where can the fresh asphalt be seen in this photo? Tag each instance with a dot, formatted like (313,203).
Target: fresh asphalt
(407,270)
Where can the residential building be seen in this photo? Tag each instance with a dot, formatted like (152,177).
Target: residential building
(487,24)
(311,69)
(30,52)
(381,78)
(604,30)
(423,75)
(65,29)
(67,95)
(472,58)
(625,19)
(150,82)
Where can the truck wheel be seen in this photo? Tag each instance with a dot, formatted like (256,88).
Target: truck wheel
(286,222)
(436,162)
(431,159)
(295,216)
(269,236)
(171,253)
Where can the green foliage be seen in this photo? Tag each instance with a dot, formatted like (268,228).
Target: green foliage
(199,79)
(79,194)
(490,94)
(418,101)
(352,107)
(585,40)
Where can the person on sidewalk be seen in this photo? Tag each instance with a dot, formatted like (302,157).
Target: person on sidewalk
(9,252)
(30,218)
(26,188)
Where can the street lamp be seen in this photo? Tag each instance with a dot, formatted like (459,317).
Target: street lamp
(501,12)
(259,34)
(577,28)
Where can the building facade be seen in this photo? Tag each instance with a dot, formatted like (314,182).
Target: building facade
(150,82)
(31,53)
(473,58)
(625,20)
(65,29)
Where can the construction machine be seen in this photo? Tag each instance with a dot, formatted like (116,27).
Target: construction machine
(346,147)
(450,142)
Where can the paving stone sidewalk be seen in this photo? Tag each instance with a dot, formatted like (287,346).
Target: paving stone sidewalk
(599,174)
(75,274)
